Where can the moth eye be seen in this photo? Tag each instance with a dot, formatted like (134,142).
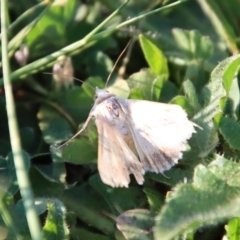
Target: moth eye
(95,96)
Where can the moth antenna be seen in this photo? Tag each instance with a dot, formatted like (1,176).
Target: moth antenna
(115,64)
(195,125)
(125,61)
(118,208)
(165,176)
(79,132)
(77,79)
(69,140)
(110,215)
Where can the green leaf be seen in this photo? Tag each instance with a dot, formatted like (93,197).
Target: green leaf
(191,94)
(221,81)
(88,88)
(233,229)
(87,234)
(210,198)
(218,14)
(229,129)
(55,226)
(146,85)
(194,45)
(54,172)
(56,120)
(154,57)
(232,105)
(6,198)
(27,135)
(206,139)
(172,177)
(41,205)
(158,85)
(195,72)
(56,154)
(43,186)
(101,65)
(133,196)
(168,91)
(184,103)
(226,170)
(8,177)
(89,207)
(7,224)
(18,216)
(155,200)
(230,67)
(55,129)
(5,147)
(136,224)
(79,151)
(77,102)
(49,27)
(143,80)
(136,93)
(120,88)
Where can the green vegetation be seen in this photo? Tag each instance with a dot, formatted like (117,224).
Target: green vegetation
(182,52)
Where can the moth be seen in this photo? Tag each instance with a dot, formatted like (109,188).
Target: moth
(137,136)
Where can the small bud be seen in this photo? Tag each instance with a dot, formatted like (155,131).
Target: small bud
(22,55)
(63,73)
(82,12)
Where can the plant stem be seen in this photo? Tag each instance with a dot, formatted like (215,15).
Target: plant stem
(6,216)
(24,15)
(17,40)
(42,63)
(22,176)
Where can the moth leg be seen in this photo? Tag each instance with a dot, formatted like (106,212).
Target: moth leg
(79,132)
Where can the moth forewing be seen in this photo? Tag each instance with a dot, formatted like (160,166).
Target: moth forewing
(116,161)
(160,132)
(135,136)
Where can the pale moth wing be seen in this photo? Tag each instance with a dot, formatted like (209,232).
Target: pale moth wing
(160,132)
(137,136)
(115,159)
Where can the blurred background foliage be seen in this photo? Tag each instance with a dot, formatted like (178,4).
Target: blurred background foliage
(187,54)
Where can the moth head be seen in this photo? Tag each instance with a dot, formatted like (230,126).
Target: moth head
(101,94)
